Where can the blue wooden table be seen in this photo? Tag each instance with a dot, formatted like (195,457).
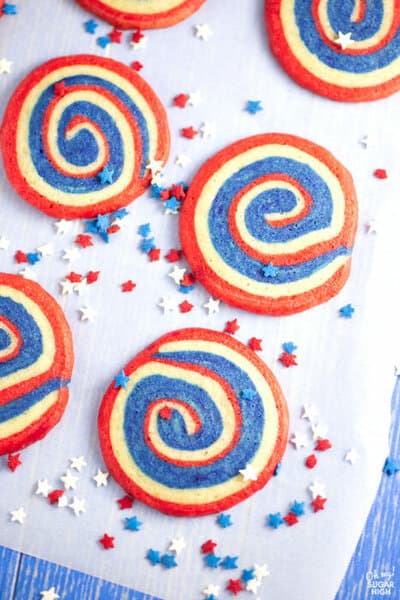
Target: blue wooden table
(376,559)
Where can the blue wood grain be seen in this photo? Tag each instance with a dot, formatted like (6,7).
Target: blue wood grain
(9,565)
(378,549)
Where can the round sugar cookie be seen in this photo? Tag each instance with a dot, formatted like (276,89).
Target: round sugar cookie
(345,50)
(78,135)
(268,224)
(36,359)
(151,14)
(197,408)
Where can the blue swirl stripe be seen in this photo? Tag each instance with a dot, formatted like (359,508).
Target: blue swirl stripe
(18,407)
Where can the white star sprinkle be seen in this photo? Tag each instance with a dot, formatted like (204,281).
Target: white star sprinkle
(4,243)
(212,306)
(28,273)
(101,478)
(18,516)
(370,227)
(364,141)
(299,440)
(77,463)
(176,274)
(62,502)
(71,254)
(49,594)
(46,250)
(319,431)
(317,489)
(87,313)
(249,473)
(344,40)
(155,166)
(253,585)
(43,488)
(62,226)
(203,31)
(182,160)
(140,44)
(309,412)
(211,590)
(195,98)
(177,545)
(169,303)
(352,456)
(81,287)
(67,287)
(261,571)
(69,480)
(5,66)
(207,129)
(78,506)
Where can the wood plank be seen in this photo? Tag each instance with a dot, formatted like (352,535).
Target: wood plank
(9,564)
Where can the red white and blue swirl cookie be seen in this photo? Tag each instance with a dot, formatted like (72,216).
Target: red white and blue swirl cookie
(78,134)
(36,359)
(151,14)
(268,224)
(186,416)
(346,50)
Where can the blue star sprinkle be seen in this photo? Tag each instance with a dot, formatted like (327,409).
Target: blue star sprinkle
(153,556)
(289,347)
(172,204)
(33,257)
(144,229)
(269,270)
(168,561)
(185,289)
(229,562)
(91,26)
(277,469)
(253,106)
(212,561)
(120,213)
(346,311)
(132,523)
(103,41)
(121,380)
(156,190)
(106,175)
(247,575)
(247,394)
(275,520)
(10,9)
(210,597)
(391,466)
(224,520)
(147,245)
(102,223)
(297,508)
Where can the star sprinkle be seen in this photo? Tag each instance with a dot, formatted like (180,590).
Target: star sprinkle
(347,311)
(18,516)
(182,160)
(185,307)
(128,286)
(212,560)
(177,274)
(49,594)
(115,36)
(181,100)
(4,243)
(153,556)
(62,226)
(224,520)
(299,440)
(69,480)
(247,394)
(309,412)
(212,590)
(253,106)
(92,277)
(231,327)
(269,271)
(298,508)
(101,478)
(83,240)
(290,519)
(344,40)
(168,561)
(253,585)
(46,250)
(169,304)
(203,31)
(125,502)
(247,575)
(77,463)
(55,496)
(87,313)
(78,506)
(261,571)
(208,548)
(166,413)
(289,347)
(212,306)
(322,445)
(235,586)
(371,227)
(207,130)
(189,132)
(9,9)
(255,344)
(139,40)
(249,473)
(59,89)
(194,98)
(317,489)
(318,503)
(391,466)
(318,430)
(229,562)
(106,175)
(67,287)
(137,65)
(28,273)
(177,545)
(91,26)
(132,523)
(311,461)
(71,254)
(5,66)
(288,360)
(103,41)
(107,541)
(380,174)
(43,488)
(352,456)
(13,461)
(275,520)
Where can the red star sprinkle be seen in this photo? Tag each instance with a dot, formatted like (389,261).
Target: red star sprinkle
(55,495)
(137,65)
(235,586)
(137,36)
(113,229)
(289,360)
(154,254)
(380,174)
(115,36)
(318,503)
(13,461)
(189,132)
(74,277)
(92,276)
(107,541)
(208,547)
(83,240)
(311,461)
(291,519)
(165,194)
(185,306)
(181,100)
(59,88)
(231,327)
(178,191)
(322,445)
(125,502)
(188,279)
(166,413)
(128,286)
(255,344)
(173,255)
(21,257)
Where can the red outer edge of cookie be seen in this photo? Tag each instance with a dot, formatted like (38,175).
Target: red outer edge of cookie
(2,2)
(8,138)
(305,78)
(221,288)
(212,507)
(62,366)
(131,21)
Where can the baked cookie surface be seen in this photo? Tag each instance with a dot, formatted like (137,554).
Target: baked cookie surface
(195,408)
